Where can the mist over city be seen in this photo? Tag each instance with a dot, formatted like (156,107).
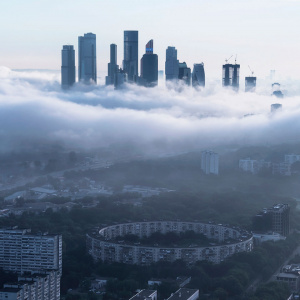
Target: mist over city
(149,150)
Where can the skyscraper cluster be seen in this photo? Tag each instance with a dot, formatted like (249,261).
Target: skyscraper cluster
(174,70)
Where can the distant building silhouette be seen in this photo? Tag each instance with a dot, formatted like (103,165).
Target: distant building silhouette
(250,84)
(210,162)
(149,66)
(198,77)
(67,66)
(131,54)
(87,64)
(275,218)
(112,65)
(231,75)
(172,64)
(275,107)
(276,90)
(184,73)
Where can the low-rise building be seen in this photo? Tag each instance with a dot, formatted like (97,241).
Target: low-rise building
(185,294)
(145,295)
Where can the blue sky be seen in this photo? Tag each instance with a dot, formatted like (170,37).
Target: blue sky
(264,34)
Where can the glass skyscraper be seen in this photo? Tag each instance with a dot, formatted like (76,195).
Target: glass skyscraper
(149,66)
(67,66)
(198,77)
(87,64)
(112,65)
(131,54)
(172,64)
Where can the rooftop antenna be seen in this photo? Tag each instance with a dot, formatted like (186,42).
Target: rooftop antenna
(251,70)
(235,58)
(228,59)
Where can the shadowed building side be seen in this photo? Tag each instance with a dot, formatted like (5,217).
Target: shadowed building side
(198,76)
(131,54)
(67,66)
(149,66)
(172,64)
(87,64)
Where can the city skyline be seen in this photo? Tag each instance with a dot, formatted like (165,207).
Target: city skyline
(258,32)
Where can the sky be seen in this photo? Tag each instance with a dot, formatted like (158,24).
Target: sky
(264,34)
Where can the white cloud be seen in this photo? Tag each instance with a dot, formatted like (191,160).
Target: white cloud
(34,110)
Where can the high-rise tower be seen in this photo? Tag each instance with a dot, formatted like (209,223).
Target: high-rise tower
(67,66)
(131,54)
(198,77)
(87,64)
(184,73)
(172,64)
(149,66)
(250,84)
(231,75)
(112,65)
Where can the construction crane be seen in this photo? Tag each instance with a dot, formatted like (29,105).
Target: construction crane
(250,70)
(228,59)
(235,58)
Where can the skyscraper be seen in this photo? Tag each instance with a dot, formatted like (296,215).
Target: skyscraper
(149,66)
(250,84)
(172,64)
(131,54)
(87,64)
(67,66)
(112,65)
(184,73)
(231,75)
(198,76)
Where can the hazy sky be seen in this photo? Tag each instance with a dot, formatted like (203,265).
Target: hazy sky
(264,33)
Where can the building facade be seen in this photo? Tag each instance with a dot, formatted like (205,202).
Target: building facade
(112,66)
(210,162)
(131,54)
(149,66)
(184,73)
(250,84)
(67,66)
(185,294)
(106,244)
(231,75)
(171,64)
(22,252)
(198,76)
(39,286)
(87,62)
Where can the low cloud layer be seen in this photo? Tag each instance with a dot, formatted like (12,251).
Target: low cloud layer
(35,111)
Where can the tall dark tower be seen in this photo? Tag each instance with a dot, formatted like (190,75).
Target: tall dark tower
(87,65)
(112,65)
(149,66)
(67,66)
(231,75)
(198,77)
(131,54)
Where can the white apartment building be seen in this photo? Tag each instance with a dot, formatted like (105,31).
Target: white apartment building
(22,252)
(210,162)
(44,286)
